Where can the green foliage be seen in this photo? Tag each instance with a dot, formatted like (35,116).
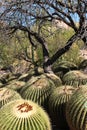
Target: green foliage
(15,48)
(18,46)
(73,55)
(56,38)
(6,57)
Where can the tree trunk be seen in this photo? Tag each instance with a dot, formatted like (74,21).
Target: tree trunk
(61,51)
(85,40)
(47,68)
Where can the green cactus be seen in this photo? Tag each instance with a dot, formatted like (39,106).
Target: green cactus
(38,90)
(76,110)
(75,78)
(56,79)
(57,105)
(63,67)
(7,95)
(15,84)
(50,77)
(23,115)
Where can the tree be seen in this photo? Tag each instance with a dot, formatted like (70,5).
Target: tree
(24,15)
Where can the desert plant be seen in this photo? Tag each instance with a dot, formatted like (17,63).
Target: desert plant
(15,85)
(56,79)
(76,110)
(7,95)
(38,89)
(75,78)
(57,105)
(73,54)
(23,115)
(63,66)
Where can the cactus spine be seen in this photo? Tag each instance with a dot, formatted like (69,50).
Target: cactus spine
(57,105)
(76,110)
(23,115)
(75,78)
(7,95)
(38,91)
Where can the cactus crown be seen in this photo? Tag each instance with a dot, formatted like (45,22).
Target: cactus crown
(41,83)
(23,110)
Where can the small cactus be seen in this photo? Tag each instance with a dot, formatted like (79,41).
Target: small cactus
(76,110)
(23,115)
(57,105)
(7,95)
(75,78)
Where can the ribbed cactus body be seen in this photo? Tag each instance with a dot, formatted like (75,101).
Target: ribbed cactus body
(75,78)
(76,110)
(57,105)
(38,90)
(15,85)
(56,79)
(7,95)
(23,115)
(63,67)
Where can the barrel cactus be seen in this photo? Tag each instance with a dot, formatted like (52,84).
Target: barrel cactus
(56,79)
(15,84)
(57,105)
(63,67)
(38,90)
(75,78)
(7,95)
(76,110)
(23,115)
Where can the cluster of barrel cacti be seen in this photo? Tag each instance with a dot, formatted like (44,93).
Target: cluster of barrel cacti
(40,102)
